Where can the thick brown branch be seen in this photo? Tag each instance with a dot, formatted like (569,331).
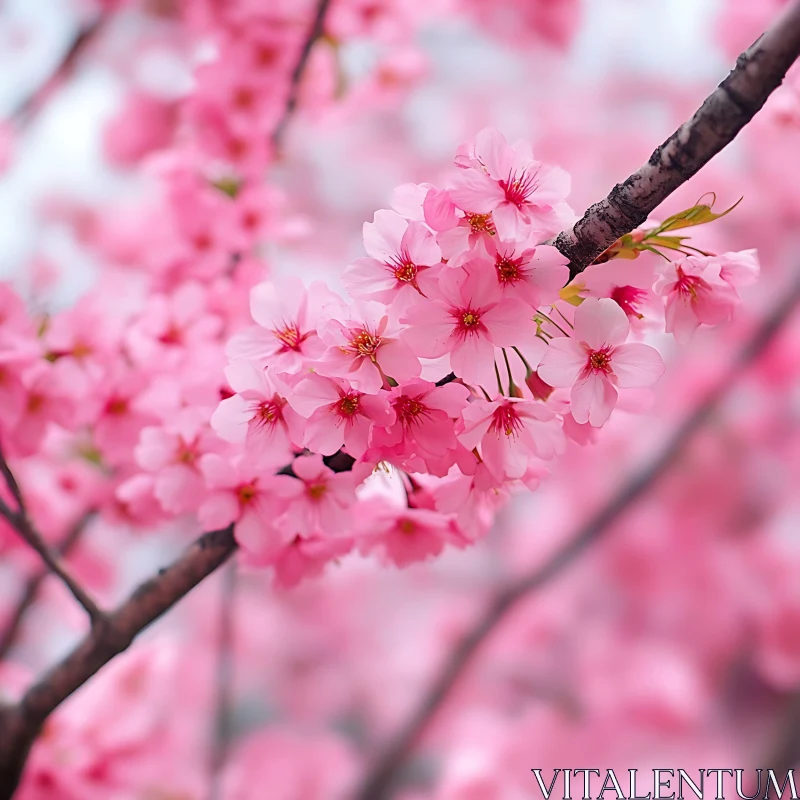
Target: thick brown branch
(381,777)
(758,72)
(20,724)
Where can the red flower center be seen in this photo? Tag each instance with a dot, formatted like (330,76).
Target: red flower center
(508,270)
(289,337)
(348,405)
(506,421)
(481,223)
(600,360)
(364,344)
(519,188)
(268,413)
(408,409)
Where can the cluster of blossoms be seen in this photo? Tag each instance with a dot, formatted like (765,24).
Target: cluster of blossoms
(464,363)
(458,363)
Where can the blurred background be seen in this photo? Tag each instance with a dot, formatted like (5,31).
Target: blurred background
(674,641)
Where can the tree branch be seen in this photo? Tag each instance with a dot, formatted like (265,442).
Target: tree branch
(314,33)
(20,724)
(85,35)
(9,635)
(383,773)
(758,72)
(19,520)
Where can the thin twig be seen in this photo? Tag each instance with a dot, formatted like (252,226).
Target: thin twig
(28,106)
(382,775)
(34,583)
(758,72)
(224,682)
(11,482)
(20,522)
(314,33)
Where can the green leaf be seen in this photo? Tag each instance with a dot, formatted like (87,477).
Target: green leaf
(571,293)
(228,185)
(696,215)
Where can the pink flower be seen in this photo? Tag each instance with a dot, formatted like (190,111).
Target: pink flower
(366,347)
(287,314)
(118,415)
(307,558)
(403,536)
(338,415)
(319,500)
(246,495)
(510,431)
(468,316)
(173,453)
(596,361)
(627,283)
(422,439)
(703,290)
(172,326)
(48,400)
(521,194)
(259,415)
(401,252)
(533,274)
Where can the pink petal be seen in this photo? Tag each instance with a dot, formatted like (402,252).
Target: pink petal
(382,237)
(636,365)
(509,222)
(592,399)
(322,433)
(600,322)
(398,362)
(510,323)
(563,362)
(231,417)
(494,152)
(476,192)
(473,360)
(418,241)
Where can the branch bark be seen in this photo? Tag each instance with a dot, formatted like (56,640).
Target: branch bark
(20,724)
(31,590)
(381,777)
(18,519)
(758,72)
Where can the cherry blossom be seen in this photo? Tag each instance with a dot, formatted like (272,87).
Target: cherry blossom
(596,361)
(520,193)
(468,317)
(338,415)
(401,252)
(259,415)
(365,345)
(703,290)
(509,431)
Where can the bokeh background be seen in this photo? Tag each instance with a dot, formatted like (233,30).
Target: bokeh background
(674,641)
